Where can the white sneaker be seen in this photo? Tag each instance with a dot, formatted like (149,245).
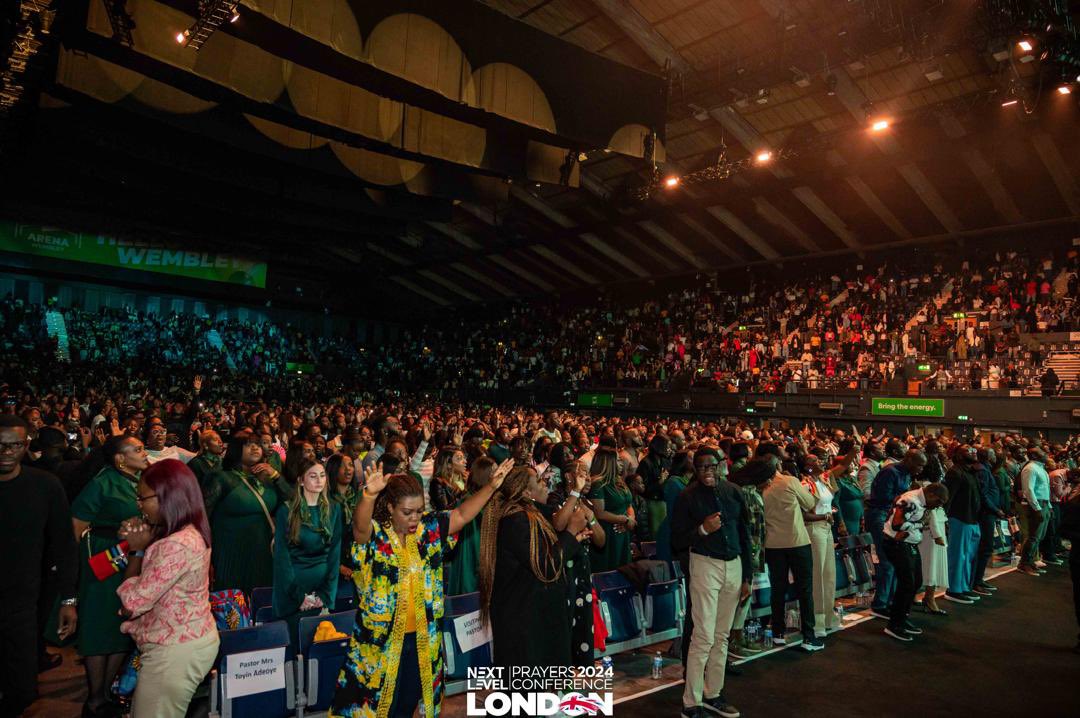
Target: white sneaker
(1040,564)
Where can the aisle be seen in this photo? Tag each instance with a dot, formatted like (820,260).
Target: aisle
(1008,655)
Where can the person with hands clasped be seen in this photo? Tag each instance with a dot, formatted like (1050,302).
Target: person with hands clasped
(307,549)
(903,532)
(395,653)
(711,518)
(165,592)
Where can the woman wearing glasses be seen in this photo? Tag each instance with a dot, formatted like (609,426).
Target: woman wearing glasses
(98,511)
(165,592)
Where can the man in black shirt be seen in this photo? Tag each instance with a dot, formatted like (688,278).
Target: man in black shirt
(710,517)
(35,517)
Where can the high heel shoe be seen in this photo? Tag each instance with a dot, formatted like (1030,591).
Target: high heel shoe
(934,611)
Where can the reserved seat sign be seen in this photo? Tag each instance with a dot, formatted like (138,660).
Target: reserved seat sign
(254,672)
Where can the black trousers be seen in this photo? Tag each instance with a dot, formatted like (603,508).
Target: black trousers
(986,547)
(407,690)
(800,562)
(908,567)
(1074,571)
(1051,543)
(18,659)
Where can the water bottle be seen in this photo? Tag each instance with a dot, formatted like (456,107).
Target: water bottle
(657,666)
(840,613)
(606,664)
(768,636)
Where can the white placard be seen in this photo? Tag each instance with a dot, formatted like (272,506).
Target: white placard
(470,633)
(254,672)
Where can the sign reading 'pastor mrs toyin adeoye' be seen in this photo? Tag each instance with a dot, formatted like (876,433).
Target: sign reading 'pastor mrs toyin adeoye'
(902,406)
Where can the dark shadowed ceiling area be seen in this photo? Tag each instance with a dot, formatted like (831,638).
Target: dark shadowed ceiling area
(527,158)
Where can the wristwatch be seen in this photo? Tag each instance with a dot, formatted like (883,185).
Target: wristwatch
(576,494)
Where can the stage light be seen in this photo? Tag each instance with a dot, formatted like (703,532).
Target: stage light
(1025,45)
(235,15)
(1009,103)
(671,182)
(182,37)
(879,125)
(1064,90)
(763,157)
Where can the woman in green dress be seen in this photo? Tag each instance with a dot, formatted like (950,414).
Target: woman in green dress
(241,500)
(611,500)
(307,550)
(98,510)
(345,492)
(682,470)
(464,562)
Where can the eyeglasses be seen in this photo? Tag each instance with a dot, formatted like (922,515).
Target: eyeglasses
(11,448)
(140,499)
(708,467)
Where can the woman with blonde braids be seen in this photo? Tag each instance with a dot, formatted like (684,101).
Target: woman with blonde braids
(395,653)
(523,590)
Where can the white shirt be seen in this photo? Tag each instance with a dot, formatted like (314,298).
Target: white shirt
(912,505)
(170,452)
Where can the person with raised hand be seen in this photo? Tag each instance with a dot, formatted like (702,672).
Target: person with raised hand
(395,656)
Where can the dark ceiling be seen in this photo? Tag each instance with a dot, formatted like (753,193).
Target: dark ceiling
(802,79)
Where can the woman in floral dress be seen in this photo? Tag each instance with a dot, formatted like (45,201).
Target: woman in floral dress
(395,654)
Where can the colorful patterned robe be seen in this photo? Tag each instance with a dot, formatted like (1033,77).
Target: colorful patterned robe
(366,682)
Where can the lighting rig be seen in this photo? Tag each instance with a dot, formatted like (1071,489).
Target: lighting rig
(24,34)
(212,15)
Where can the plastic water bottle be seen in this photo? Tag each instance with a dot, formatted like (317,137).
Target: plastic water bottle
(840,612)
(657,666)
(606,664)
(768,636)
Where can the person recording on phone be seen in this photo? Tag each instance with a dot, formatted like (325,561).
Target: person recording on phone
(711,518)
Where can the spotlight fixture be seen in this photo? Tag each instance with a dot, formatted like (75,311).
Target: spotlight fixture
(235,15)
(1024,45)
(182,37)
(1064,90)
(879,125)
(212,15)
(763,157)
(671,182)
(1009,103)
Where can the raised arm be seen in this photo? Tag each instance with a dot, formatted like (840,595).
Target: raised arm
(374,482)
(467,510)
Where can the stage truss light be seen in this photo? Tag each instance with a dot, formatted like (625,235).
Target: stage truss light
(763,157)
(671,182)
(879,125)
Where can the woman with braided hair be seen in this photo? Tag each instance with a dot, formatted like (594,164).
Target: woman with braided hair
(523,589)
(395,653)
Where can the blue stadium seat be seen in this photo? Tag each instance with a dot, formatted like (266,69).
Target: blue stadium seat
(663,605)
(318,664)
(261,596)
(272,704)
(845,578)
(265,614)
(346,601)
(458,663)
(620,606)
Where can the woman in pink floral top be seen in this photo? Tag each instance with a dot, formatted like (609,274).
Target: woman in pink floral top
(165,593)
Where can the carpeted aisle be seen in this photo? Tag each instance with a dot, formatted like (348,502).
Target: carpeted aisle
(1008,655)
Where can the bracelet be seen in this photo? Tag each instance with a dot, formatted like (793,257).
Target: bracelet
(70,602)
(369,496)
(576,494)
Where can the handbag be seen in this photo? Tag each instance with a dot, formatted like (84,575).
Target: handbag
(266,511)
(109,562)
(230,609)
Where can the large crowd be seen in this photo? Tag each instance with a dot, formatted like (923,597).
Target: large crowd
(850,326)
(322,499)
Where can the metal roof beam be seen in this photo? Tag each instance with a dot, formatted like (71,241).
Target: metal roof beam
(671,242)
(452,286)
(459,237)
(1059,171)
(778,219)
(829,218)
(517,269)
(416,289)
(613,254)
(748,235)
(643,34)
(878,207)
(483,279)
(711,238)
